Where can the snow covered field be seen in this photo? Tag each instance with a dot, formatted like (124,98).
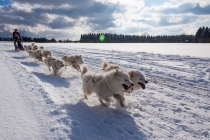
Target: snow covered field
(35,104)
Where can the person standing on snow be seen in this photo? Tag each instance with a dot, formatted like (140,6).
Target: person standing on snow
(16,35)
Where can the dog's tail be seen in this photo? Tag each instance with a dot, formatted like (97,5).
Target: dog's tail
(32,44)
(104,65)
(84,70)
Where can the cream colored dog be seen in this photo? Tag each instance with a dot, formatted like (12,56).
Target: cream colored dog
(46,53)
(136,76)
(35,47)
(106,85)
(54,63)
(37,55)
(28,48)
(108,67)
(75,61)
(32,44)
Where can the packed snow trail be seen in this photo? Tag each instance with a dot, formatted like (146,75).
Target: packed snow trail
(174,105)
(24,114)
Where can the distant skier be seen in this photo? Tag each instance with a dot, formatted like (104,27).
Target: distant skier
(16,36)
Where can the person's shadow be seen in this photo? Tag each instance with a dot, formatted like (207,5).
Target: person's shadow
(99,123)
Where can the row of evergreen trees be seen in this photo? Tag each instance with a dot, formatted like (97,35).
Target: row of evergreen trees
(202,35)
(36,39)
(114,38)
(29,39)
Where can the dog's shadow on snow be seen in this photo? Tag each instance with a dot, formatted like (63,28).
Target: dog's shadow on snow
(12,51)
(20,57)
(97,122)
(30,64)
(54,80)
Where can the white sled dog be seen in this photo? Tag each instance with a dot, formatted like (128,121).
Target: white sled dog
(34,47)
(108,67)
(75,61)
(46,53)
(32,44)
(37,55)
(105,85)
(136,76)
(28,48)
(25,47)
(54,63)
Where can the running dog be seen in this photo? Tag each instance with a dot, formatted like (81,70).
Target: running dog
(46,53)
(106,85)
(34,47)
(32,44)
(28,48)
(37,55)
(75,61)
(54,63)
(136,76)
(108,67)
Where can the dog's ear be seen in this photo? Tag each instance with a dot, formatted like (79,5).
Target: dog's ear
(117,71)
(131,73)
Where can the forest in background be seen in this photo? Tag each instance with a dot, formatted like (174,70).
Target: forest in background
(201,36)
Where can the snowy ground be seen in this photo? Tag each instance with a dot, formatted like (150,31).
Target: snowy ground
(35,104)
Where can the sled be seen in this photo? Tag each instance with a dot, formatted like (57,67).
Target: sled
(20,45)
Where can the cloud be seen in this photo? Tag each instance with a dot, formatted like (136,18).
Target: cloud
(168,21)
(188,8)
(74,3)
(63,14)
(71,18)
(61,23)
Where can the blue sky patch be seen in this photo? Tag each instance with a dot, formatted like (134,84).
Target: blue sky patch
(153,2)
(5,2)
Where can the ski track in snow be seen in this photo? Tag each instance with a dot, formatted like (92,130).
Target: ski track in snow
(174,105)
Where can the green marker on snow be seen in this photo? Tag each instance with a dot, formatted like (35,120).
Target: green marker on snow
(102,37)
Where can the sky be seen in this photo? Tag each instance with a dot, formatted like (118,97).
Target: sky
(69,19)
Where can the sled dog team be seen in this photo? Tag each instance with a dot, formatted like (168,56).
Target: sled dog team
(113,82)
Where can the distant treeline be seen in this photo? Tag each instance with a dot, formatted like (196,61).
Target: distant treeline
(115,38)
(36,39)
(29,39)
(202,35)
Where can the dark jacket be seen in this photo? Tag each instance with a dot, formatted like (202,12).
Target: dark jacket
(16,35)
